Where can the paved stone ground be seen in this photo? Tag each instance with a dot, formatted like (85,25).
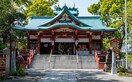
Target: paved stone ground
(74,75)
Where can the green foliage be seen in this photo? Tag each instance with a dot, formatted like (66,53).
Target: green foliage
(22,40)
(94,9)
(121,69)
(19,72)
(110,10)
(3,78)
(22,43)
(8,16)
(106,44)
(112,13)
(124,74)
(122,55)
(22,2)
(12,11)
(2,46)
(129,57)
(40,8)
(129,14)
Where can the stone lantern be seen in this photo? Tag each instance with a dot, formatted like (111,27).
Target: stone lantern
(114,43)
(14,45)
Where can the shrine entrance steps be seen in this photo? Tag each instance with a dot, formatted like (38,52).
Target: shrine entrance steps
(63,62)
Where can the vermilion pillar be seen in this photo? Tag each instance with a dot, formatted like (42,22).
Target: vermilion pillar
(90,43)
(38,43)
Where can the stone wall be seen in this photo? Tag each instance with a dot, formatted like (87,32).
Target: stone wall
(2,64)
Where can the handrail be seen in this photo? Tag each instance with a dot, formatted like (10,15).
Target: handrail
(98,61)
(50,55)
(96,57)
(77,55)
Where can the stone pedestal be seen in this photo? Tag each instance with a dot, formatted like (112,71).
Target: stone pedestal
(13,61)
(10,61)
(113,68)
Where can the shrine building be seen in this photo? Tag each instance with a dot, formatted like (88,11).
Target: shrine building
(66,32)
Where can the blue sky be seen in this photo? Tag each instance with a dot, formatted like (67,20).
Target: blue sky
(82,5)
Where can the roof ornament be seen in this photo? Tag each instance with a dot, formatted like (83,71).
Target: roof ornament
(65,6)
(73,5)
(58,5)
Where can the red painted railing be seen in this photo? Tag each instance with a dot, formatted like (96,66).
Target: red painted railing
(98,58)
(26,57)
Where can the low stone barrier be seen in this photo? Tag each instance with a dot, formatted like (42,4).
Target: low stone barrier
(2,64)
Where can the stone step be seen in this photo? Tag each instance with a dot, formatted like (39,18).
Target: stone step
(63,62)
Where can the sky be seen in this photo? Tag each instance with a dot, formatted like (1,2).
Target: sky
(82,5)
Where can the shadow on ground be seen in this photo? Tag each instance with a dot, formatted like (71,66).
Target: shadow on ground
(65,76)
(96,80)
(94,76)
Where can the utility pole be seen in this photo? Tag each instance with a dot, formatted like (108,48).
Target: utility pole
(10,47)
(126,33)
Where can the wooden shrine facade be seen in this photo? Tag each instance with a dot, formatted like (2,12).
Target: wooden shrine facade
(66,32)
(80,40)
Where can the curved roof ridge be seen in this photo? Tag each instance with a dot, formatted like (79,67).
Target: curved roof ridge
(88,17)
(40,17)
(72,25)
(65,24)
(65,10)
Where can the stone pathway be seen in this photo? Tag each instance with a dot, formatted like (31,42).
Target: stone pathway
(58,76)
(74,75)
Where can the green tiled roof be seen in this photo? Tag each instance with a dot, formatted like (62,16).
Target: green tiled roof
(64,25)
(65,10)
(90,23)
(73,10)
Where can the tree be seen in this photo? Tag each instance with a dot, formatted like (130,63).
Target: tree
(40,8)
(129,14)
(12,12)
(5,18)
(112,14)
(108,10)
(22,2)
(8,16)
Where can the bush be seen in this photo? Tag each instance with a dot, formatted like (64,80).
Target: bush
(129,57)
(19,72)
(124,74)
(2,78)
(122,55)
(2,46)
(122,70)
